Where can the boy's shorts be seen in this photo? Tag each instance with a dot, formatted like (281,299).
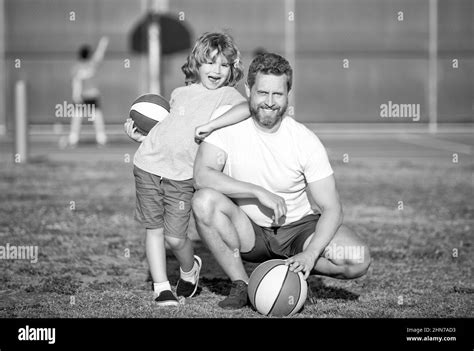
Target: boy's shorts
(280,242)
(163,203)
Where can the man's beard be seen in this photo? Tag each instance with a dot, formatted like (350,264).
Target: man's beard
(267,121)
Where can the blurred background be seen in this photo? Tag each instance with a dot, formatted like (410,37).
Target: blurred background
(386,44)
(406,185)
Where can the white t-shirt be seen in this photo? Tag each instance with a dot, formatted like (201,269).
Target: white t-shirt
(282,162)
(169,149)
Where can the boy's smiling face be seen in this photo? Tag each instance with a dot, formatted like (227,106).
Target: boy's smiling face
(214,73)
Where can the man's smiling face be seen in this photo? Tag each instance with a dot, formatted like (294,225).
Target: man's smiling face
(269,99)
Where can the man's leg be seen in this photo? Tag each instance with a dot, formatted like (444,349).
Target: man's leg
(226,230)
(346,256)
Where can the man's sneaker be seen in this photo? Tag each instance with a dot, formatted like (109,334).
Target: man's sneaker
(188,289)
(238,296)
(166,298)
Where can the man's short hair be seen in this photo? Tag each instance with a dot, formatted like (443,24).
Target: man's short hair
(270,63)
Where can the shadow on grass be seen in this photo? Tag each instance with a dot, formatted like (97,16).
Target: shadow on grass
(218,286)
(320,291)
(221,286)
(214,279)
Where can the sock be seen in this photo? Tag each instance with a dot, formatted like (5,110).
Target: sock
(159,287)
(189,276)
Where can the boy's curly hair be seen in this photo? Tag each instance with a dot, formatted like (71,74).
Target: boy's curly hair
(201,53)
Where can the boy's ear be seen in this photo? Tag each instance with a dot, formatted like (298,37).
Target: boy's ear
(247,90)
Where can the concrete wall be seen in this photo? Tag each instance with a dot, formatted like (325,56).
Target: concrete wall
(387,57)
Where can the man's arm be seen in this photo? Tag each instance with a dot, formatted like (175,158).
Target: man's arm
(325,194)
(208,166)
(236,114)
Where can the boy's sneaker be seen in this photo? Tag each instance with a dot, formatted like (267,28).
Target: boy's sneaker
(238,296)
(188,289)
(166,298)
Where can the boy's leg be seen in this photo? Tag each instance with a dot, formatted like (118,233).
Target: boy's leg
(99,126)
(149,212)
(76,121)
(183,251)
(156,254)
(177,204)
(190,265)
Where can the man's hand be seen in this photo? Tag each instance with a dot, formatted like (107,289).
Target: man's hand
(274,202)
(301,262)
(201,132)
(132,132)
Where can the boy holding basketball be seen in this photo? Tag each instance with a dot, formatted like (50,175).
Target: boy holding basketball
(163,164)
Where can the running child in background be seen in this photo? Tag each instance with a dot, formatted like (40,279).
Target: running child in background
(85,91)
(163,164)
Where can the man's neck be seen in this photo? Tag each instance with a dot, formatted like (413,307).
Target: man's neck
(268,129)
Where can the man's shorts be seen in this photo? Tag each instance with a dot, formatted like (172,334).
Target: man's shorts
(280,242)
(163,203)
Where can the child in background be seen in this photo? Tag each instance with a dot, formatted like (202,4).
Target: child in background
(85,91)
(163,164)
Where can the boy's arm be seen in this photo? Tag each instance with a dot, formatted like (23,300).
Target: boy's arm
(235,115)
(100,51)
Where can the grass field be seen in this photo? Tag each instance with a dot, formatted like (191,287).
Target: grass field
(91,260)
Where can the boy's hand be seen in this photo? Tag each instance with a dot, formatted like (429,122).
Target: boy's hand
(132,132)
(201,132)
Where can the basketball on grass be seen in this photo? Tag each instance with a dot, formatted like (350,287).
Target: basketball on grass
(148,110)
(274,290)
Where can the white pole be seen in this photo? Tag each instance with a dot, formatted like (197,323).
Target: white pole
(290,45)
(433,67)
(21,124)
(154,58)
(154,47)
(143,58)
(2,70)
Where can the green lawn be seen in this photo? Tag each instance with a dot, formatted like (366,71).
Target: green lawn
(91,252)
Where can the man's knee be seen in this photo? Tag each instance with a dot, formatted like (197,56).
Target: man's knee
(204,204)
(358,266)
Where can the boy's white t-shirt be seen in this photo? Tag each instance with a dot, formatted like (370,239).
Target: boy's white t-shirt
(169,148)
(282,162)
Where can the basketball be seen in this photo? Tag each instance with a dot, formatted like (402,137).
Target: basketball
(274,290)
(148,110)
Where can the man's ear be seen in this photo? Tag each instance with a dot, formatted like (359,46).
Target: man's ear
(247,90)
